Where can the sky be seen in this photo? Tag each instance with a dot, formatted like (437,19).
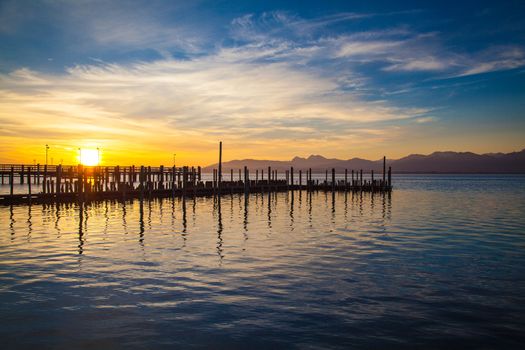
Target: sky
(143,81)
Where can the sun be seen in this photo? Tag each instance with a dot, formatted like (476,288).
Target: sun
(89,157)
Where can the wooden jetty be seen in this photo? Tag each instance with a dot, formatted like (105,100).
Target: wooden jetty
(78,183)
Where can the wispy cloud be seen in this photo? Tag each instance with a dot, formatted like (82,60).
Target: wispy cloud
(495,59)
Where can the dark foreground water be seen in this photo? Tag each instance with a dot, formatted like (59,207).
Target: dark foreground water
(438,264)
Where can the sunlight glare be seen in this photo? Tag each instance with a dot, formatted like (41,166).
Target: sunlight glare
(89,157)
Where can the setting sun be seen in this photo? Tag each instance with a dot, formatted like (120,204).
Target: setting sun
(89,157)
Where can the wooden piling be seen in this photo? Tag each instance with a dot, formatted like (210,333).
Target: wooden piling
(161,177)
(141,180)
(80,181)
(246,180)
(44,179)
(220,167)
(29,182)
(384,168)
(58,177)
(333,179)
(11,180)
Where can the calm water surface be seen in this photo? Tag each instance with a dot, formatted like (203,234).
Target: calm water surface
(439,263)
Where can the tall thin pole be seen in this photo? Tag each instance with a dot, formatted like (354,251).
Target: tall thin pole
(384,169)
(220,166)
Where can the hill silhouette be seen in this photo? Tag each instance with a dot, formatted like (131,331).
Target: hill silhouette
(437,162)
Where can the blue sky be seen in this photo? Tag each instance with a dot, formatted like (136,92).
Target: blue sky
(270,78)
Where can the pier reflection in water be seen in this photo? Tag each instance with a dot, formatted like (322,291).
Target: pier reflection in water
(292,269)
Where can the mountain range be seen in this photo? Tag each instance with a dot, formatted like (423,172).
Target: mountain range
(437,162)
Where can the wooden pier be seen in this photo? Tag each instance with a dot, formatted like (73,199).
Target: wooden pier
(61,183)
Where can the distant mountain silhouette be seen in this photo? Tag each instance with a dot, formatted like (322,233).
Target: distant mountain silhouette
(437,162)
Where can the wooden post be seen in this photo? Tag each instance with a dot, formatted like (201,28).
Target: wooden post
(141,180)
(70,173)
(106,179)
(384,169)
(29,182)
(58,171)
(245,179)
(79,181)
(291,177)
(219,179)
(333,179)
(22,175)
(231,175)
(269,174)
(361,181)
(372,179)
(346,178)
(173,181)
(150,183)
(123,185)
(161,177)
(300,179)
(256,176)
(44,179)
(117,175)
(389,176)
(131,174)
(199,173)
(353,184)
(11,180)
(184,179)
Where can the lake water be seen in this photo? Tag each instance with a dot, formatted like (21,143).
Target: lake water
(438,263)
